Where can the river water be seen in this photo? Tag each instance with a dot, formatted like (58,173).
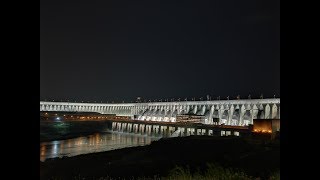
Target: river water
(97,142)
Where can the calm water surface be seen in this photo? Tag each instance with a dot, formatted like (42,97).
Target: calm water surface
(94,143)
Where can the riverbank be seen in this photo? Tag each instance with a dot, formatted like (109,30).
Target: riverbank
(159,158)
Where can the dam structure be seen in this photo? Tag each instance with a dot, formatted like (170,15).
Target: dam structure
(240,112)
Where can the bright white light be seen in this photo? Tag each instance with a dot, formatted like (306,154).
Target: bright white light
(58,118)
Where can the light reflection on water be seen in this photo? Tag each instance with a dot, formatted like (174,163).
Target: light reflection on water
(94,143)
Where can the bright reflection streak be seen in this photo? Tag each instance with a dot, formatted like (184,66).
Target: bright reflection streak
(93,143)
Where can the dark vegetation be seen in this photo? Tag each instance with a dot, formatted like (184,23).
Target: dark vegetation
(190,157)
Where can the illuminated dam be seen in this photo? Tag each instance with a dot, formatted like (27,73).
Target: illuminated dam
(229,112)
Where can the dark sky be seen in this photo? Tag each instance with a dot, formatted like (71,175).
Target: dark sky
(118,50)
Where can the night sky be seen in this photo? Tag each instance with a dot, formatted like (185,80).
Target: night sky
(118,50)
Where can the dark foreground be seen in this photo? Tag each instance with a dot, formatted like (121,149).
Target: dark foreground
(159,158)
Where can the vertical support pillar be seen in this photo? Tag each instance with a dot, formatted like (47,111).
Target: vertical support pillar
(145,129)
(185,132)
(167,131)
(210,120)
(159,130)
(152,132)
(230,114)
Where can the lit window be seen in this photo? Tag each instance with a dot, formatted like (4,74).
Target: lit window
(223,133)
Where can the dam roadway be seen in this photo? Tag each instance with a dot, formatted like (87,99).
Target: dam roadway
(240,112)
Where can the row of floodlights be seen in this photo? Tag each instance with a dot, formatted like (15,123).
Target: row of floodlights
(167,100)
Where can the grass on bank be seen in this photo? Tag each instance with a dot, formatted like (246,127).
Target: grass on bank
(213,172)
